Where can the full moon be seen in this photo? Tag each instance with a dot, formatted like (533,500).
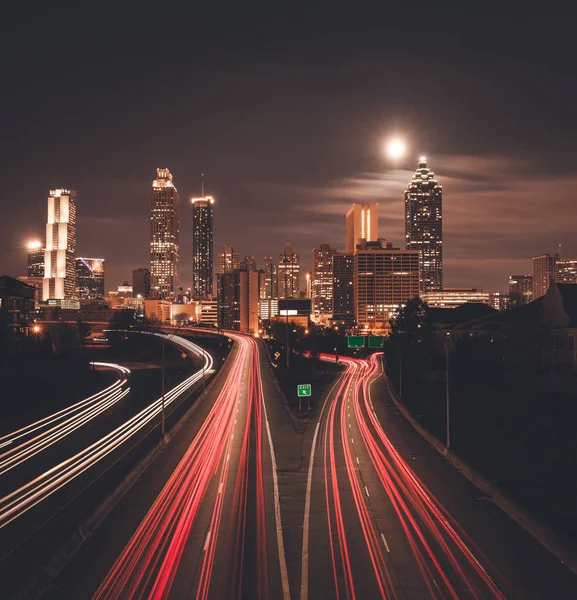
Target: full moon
(396,148)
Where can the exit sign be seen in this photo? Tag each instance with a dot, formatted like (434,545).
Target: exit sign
(376,341)
(304,389)
(356,341)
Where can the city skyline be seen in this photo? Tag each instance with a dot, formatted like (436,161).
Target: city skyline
(481,150)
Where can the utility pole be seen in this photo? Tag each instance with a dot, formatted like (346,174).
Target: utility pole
(162,414)
(448,425)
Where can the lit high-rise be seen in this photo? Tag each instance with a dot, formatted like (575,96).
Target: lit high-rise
(322,279)
(362,223)
(270,278)
(36,259)
(543,274)
(288,273)
(520,289)
(60,254)
(343,288)
(202,246)
(90,278)
(424,225)
(227,261)
(164,236)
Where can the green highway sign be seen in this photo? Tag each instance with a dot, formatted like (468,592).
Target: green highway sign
(304,389)
(376,341)
(356,341)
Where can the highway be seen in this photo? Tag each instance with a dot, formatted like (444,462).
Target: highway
(246,503)
(373,529)
(47,467)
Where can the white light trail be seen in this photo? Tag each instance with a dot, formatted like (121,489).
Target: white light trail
(35,491)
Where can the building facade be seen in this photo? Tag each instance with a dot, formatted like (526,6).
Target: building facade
(202,246)
(288,273)
(384,278)
(60,253)
(565,270)
(90,278)
(343,304)
(16,307)
(164,236)
(520,290)
(238,300)
(362,222)
(36,260)
(141,283)
(227,261)
(543,274)
(424,225)
(322,279)
(453,297)
(270,279)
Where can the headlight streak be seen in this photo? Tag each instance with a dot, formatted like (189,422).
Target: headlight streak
(408,496)
(35,491)
(58,425)
(148,565)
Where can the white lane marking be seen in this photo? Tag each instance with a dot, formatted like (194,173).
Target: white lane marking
(232,437)
(306,519)
(227,457)
(220,488)
(385,543)
(235,421)
(367,491)
(279,534)
(207,541)
(353,441)
(358,463)
(349,425)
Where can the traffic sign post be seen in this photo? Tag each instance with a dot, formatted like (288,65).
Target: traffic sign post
(356,341)
(376,341)
(304,390)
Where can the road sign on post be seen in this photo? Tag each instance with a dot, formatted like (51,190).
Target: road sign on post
(304,389)
(376,341)
(356,341)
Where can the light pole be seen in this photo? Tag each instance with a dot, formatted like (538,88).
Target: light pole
(448,425)
(162,418)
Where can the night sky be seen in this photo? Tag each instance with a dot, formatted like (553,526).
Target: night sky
(287,116)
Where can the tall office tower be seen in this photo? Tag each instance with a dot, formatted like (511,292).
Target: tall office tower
(566,270)
(362,223)
(238,300)
(164,236)
(520,290)
(270,278)
(424,225)
(90,278)
(288,273)
(141,283)
(384,278)
(202,246)
(343,291)
(322,279)
(60,255)
(543,274)
(227,261)
(36,259)
(248,263)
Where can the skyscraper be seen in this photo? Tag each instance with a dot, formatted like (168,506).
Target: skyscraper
(362,223)
(164,236)
(227,261)
(566,270)
(202,246)
(288,273)
(343,291)
(424,225)
(322,279)
(141,283)
(238,300)
(36,259)
(383,278)
(520,289)
(270,278)
(60,254)
(90,278)
(543,274)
